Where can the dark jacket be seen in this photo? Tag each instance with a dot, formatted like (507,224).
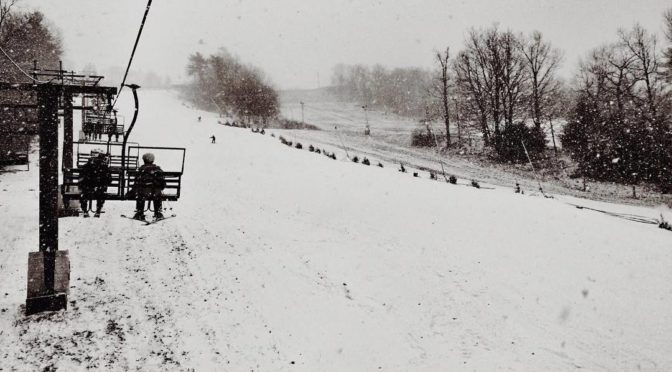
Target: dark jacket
(149,181)
(95,174)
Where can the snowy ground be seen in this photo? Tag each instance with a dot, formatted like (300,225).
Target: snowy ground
(284,260)
(390,140)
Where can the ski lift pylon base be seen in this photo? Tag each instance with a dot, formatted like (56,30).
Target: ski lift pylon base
(47,289)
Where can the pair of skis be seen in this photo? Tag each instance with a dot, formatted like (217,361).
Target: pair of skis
(147,223)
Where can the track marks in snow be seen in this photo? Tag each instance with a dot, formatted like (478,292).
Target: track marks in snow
(90,334)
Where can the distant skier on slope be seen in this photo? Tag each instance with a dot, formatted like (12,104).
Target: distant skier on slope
(212,138)
(93,181)
(149,184)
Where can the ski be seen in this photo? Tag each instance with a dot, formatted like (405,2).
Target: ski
(131,218)
(159,220)
(149,222)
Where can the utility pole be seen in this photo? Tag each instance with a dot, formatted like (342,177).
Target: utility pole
(367,129)
(302,121)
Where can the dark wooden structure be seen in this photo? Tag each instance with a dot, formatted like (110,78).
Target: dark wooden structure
(52,96)
(49,268)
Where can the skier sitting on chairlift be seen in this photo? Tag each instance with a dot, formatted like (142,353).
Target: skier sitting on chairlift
(149,184)
(111,130)
(94,179)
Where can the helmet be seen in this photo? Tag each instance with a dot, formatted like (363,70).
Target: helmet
(148,157)
(98,153)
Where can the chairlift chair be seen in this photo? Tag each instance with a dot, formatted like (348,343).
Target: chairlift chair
(123,161)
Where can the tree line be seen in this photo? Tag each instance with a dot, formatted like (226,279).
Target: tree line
(221,82)
(498,81)
(26,36)
(401,90)
(505,86)
(620,126)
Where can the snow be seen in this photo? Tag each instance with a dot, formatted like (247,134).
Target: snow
(281,259)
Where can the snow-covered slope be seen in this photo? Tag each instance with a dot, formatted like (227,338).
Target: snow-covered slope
(281,259)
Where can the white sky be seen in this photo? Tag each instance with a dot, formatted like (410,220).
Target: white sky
(297,41)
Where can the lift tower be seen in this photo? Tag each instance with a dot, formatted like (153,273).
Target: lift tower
(49,268)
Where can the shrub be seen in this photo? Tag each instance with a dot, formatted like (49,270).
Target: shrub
(311,148)
(355,159)
(510,145)
(292,124)
(380,164)
(452,179)
(422,138)
(609,146)
(299,146)
(475,184)
(366,161)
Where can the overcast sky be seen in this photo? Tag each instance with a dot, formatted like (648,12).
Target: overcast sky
(297,42)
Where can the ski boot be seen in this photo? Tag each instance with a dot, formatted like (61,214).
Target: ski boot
(139,216)
(97,214)
(85,214)
(158,216)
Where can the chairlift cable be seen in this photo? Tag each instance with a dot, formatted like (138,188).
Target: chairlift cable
(23,71)
(341,139)
(625,216)
(135,46)
(533,169)
(443,169)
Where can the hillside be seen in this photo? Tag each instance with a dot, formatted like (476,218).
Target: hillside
(284,260)
(342,125)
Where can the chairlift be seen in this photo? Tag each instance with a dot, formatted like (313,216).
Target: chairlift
(112,149)
(123,160)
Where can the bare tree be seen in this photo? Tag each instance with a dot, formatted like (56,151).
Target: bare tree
(642,48)
(668,36)
(555,107)
(513,76)
(490,62)
(444,81)
(5,11)
(473,81)
(491,70)
(620,76)
(542,63)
